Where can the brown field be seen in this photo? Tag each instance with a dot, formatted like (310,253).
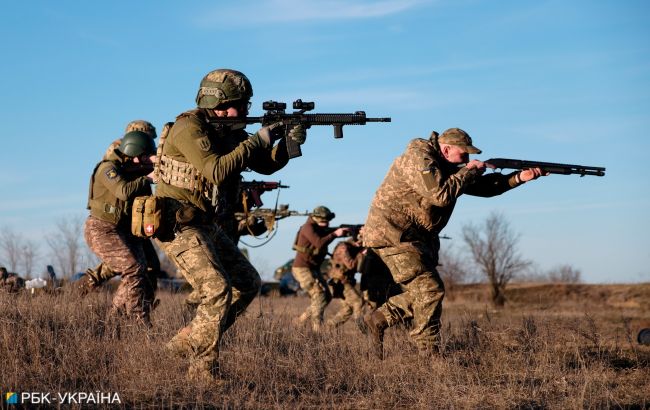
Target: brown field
(552,346)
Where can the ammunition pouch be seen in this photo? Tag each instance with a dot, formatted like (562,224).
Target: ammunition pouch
(184,175)
(146,215)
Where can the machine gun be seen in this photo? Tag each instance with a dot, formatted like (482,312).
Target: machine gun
(275,112)
(253,190)
(551,167)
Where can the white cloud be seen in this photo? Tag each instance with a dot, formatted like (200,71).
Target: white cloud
(282,11)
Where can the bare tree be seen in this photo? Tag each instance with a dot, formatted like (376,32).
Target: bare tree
(558,274)
(494,249)
(66,245)
(453,268)
(564,274)
(11,246)
(28,255)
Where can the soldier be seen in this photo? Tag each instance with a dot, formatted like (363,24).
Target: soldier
(96,277)
(113,186)
(200,166)
(410,208)
(346,260)
(10,282)
(311,248)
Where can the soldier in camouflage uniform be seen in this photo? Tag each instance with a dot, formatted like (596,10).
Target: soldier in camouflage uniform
(95,277)
(199,173)
(346,260)
(10,282)
(114,184)
(311,248)
(410,208)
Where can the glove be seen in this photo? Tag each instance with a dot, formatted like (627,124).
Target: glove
(298,134)
(266,136)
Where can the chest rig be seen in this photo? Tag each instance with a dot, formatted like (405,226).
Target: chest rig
(182,174)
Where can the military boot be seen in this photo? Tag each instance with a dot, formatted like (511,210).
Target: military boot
(376,324)
(180,345)
(87,283)
(205,372)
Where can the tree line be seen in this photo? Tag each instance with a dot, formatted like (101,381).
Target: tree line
(489,253)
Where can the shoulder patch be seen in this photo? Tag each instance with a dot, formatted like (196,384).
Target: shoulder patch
(111,173)
(204,143)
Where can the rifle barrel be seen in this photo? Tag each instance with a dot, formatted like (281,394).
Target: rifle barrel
(552,167)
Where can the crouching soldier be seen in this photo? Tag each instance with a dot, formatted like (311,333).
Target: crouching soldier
(108,227)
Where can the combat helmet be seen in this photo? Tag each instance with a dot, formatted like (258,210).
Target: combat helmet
(223,86)
(135,143)
(141,125)
(322,214)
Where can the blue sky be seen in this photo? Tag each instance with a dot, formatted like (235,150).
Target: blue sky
(551,81)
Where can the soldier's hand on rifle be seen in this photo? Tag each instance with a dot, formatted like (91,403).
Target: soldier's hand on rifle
(342,232)
(475,163)
(530,174)
(266,136)
(298,134)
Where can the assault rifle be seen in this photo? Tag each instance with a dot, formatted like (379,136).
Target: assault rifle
(269,217)
(281,212)
(253,190)
(275,112)
(551,167)
(353,228)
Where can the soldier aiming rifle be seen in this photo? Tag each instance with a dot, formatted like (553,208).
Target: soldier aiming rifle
(275,113)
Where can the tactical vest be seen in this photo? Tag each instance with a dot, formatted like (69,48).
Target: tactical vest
(102,203)
(179,173)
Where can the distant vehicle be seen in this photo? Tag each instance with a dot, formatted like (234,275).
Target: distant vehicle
(284,282)
(77,276)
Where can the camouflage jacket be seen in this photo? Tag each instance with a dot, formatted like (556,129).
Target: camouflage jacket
(213,156)
(311,245)
(345,260)
(418,194)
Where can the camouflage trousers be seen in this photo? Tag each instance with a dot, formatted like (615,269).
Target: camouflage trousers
(351,306)
(413,268)
(224,281)
(121,252)
(102,273)
(312,282)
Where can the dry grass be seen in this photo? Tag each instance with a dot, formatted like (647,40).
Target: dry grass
(568,354)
